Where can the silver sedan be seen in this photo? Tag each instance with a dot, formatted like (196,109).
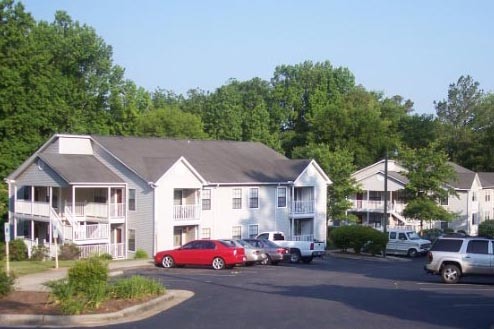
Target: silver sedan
(253,254)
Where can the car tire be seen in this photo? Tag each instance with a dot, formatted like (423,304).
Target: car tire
(266,261)
(412,253)
(218,263)
(450,273)
(167,262)
(295,256)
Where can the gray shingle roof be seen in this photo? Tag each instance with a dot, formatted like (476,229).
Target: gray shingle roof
(216,161)
(487,179)
(464,177)
(79,168)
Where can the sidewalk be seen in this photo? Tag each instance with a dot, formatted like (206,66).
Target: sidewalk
(34,282)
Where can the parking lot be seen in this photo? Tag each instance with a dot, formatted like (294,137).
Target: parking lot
(329,293)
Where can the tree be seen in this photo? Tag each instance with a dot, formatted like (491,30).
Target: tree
(458,113)
(428,173)
(418,131)
(170,122)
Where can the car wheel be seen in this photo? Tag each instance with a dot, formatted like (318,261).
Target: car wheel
(412,253)
(295,256)
(450,273)
(266,261)
(167,262)
(218,263)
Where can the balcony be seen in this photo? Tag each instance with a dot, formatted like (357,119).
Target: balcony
(377,206)
(301,207)
(187,212)
(34,208)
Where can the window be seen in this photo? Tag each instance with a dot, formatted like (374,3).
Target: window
(281,197)
(237,198)
(254,197)
(392,235)
(452,245)
(132,240)
(206,233)
(478,247)
(237,232)
(206,199)
(132,199)
(475,219)
(444,201)
(402,236)
(253,231)
(487,197)
(474,196)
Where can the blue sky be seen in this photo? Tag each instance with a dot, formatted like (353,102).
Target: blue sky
(410,48)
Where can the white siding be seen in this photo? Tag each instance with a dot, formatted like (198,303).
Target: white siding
(179,176)
(74,145)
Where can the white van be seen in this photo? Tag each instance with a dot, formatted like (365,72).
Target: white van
(406,242)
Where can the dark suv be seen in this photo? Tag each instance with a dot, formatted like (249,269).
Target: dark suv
(454,257)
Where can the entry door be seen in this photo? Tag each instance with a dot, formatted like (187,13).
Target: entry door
(177,236)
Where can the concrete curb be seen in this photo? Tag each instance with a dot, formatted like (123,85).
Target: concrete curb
(130,314)
(350,255)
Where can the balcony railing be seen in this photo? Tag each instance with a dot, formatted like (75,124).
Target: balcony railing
(303,207)
(35,208)
(377,205)
(187,212)
(91,232)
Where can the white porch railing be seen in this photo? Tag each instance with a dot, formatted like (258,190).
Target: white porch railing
(377,205)
(303,207)
(97,209)
(304,237)
(117,250)
(186,212)
(32,208)
(91,232)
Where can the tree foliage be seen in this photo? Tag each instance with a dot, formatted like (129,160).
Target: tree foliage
(59,77)
(428,172)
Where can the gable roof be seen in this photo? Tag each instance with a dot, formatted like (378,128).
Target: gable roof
(75,168)
(216,161)
(464,177)
(486,179)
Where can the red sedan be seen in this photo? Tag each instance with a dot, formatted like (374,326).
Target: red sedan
(202,252)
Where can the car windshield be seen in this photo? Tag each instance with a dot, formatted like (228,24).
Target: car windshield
(413,236)
(244,244)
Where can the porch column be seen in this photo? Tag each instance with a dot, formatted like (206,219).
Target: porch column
(11,212)
(73,200)
(108,203)
(32,230)
(50,226)
(32,199)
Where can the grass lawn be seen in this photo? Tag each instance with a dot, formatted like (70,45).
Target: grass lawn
(29,267)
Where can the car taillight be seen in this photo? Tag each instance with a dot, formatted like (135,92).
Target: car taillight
(312,246)
(429,257)
(281,251)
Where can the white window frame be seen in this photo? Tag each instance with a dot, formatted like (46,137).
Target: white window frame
(278,196)
(206,192)
(236,195)
(135,199)
(253,231)
(253,196)
(131,233)
(237,232)
(206,233)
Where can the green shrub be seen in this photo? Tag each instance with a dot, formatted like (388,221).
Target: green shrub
(6,283)
(136,287)
(357,237)
(17,250)
(141,254)
(39,252)
(2,250)
(69,251)
(88,272)
(486,229)
(106,256)
(85,288)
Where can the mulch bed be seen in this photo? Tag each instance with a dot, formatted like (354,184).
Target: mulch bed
(35,302)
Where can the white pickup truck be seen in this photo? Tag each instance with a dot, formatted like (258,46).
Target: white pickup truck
(303,251)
